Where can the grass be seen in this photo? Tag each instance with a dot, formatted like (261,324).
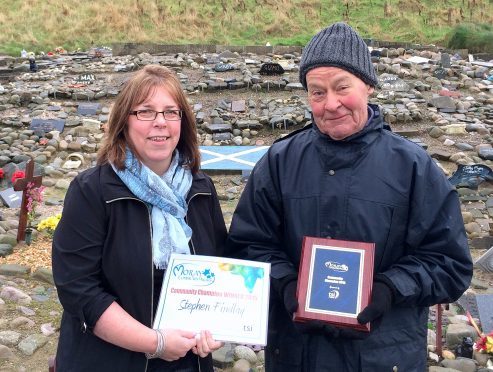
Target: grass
(44,25)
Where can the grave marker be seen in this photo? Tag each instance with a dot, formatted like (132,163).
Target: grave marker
(21,185)
(87,109)
(47,125)
(485,262)
(238,106)
(445,60)
(471,176)
(222,67)
(394,83)
(85,79)
(485,309)
(440,73)
(271,68)
(11,198)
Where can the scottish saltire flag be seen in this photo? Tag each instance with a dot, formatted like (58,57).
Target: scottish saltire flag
(231,157)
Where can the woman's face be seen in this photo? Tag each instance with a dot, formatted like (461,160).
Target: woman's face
(155,140)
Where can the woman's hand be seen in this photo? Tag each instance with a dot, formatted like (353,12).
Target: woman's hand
(206,344)
(178,343)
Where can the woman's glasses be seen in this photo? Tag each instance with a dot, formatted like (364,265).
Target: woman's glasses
(149,115)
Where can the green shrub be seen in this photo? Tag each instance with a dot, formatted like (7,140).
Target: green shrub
(477,38)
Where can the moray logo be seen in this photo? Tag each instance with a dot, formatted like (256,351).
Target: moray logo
(336,266)
(192,273)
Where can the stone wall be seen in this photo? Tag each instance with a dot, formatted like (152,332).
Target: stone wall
(121,49)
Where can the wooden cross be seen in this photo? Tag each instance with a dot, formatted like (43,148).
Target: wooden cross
(21,185)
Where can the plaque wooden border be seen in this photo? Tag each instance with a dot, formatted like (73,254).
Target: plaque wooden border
(305,273)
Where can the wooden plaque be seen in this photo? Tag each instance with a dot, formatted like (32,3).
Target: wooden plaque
(335,281)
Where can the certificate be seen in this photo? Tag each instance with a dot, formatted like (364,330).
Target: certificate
(335,281)
(226,296)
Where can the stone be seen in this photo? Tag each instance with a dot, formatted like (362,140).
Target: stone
(5,249)
(456,332)
(223,357)
(47,125)
(389,82)
(241,365)
(244,352)
(484,304)
(471,176)
(11,198)
(14,270)
(21,322)
(271,68)
(238,106)
(44,274)
(6,353)
(9,338)
(460,364)
(89,108)
(32,343)
(442,102)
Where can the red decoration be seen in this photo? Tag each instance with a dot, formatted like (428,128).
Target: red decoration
(2,173)
(17,175)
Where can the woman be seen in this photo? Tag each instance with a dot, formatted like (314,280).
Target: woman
(121,220)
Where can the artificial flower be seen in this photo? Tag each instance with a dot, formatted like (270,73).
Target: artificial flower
(17,175)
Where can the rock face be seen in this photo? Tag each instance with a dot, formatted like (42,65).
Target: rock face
(57,116)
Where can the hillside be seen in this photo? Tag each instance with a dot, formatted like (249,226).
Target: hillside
(44,25)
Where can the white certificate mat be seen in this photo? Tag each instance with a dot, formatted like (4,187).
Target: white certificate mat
(226,296)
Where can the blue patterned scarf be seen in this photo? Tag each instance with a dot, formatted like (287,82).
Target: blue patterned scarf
(166,195)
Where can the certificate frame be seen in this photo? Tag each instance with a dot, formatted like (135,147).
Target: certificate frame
(335,281)
(226,296)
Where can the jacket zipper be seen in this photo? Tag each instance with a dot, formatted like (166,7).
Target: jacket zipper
(152,258)
(193,247)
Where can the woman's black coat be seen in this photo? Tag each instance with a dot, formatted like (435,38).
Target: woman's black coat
(102,253)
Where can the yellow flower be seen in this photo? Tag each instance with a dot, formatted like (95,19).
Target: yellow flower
(489,344)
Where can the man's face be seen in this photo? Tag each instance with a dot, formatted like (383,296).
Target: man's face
(338,100)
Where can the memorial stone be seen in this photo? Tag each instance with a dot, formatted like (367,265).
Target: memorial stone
(271,68)
(394,83)
(222,67)
(485,262)
(86,79)
(87,109)
(238,106)
(440,73)
(47,125)
(11,198)
(445,60)
(471,176)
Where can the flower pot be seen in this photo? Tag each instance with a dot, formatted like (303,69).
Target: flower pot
(29,236)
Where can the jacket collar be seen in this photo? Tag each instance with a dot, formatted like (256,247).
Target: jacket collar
(336,154)
(114,188)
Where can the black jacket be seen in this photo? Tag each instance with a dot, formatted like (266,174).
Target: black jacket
(371,187)
(102,253)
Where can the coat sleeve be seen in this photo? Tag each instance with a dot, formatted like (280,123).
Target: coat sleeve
(257,225)
(77,252)
(437,266)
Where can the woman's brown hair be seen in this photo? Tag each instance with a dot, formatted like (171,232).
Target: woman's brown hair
(137,90)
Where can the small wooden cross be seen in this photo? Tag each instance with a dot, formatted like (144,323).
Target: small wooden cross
(21,185)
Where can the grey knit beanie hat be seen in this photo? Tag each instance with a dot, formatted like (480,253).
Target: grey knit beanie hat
(339,46)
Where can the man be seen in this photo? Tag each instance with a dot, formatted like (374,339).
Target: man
(349,178)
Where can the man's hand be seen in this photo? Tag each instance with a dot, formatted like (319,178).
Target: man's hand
(289,297)
(381,302)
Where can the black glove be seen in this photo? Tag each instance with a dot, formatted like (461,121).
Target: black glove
(382,298)
(289,296)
